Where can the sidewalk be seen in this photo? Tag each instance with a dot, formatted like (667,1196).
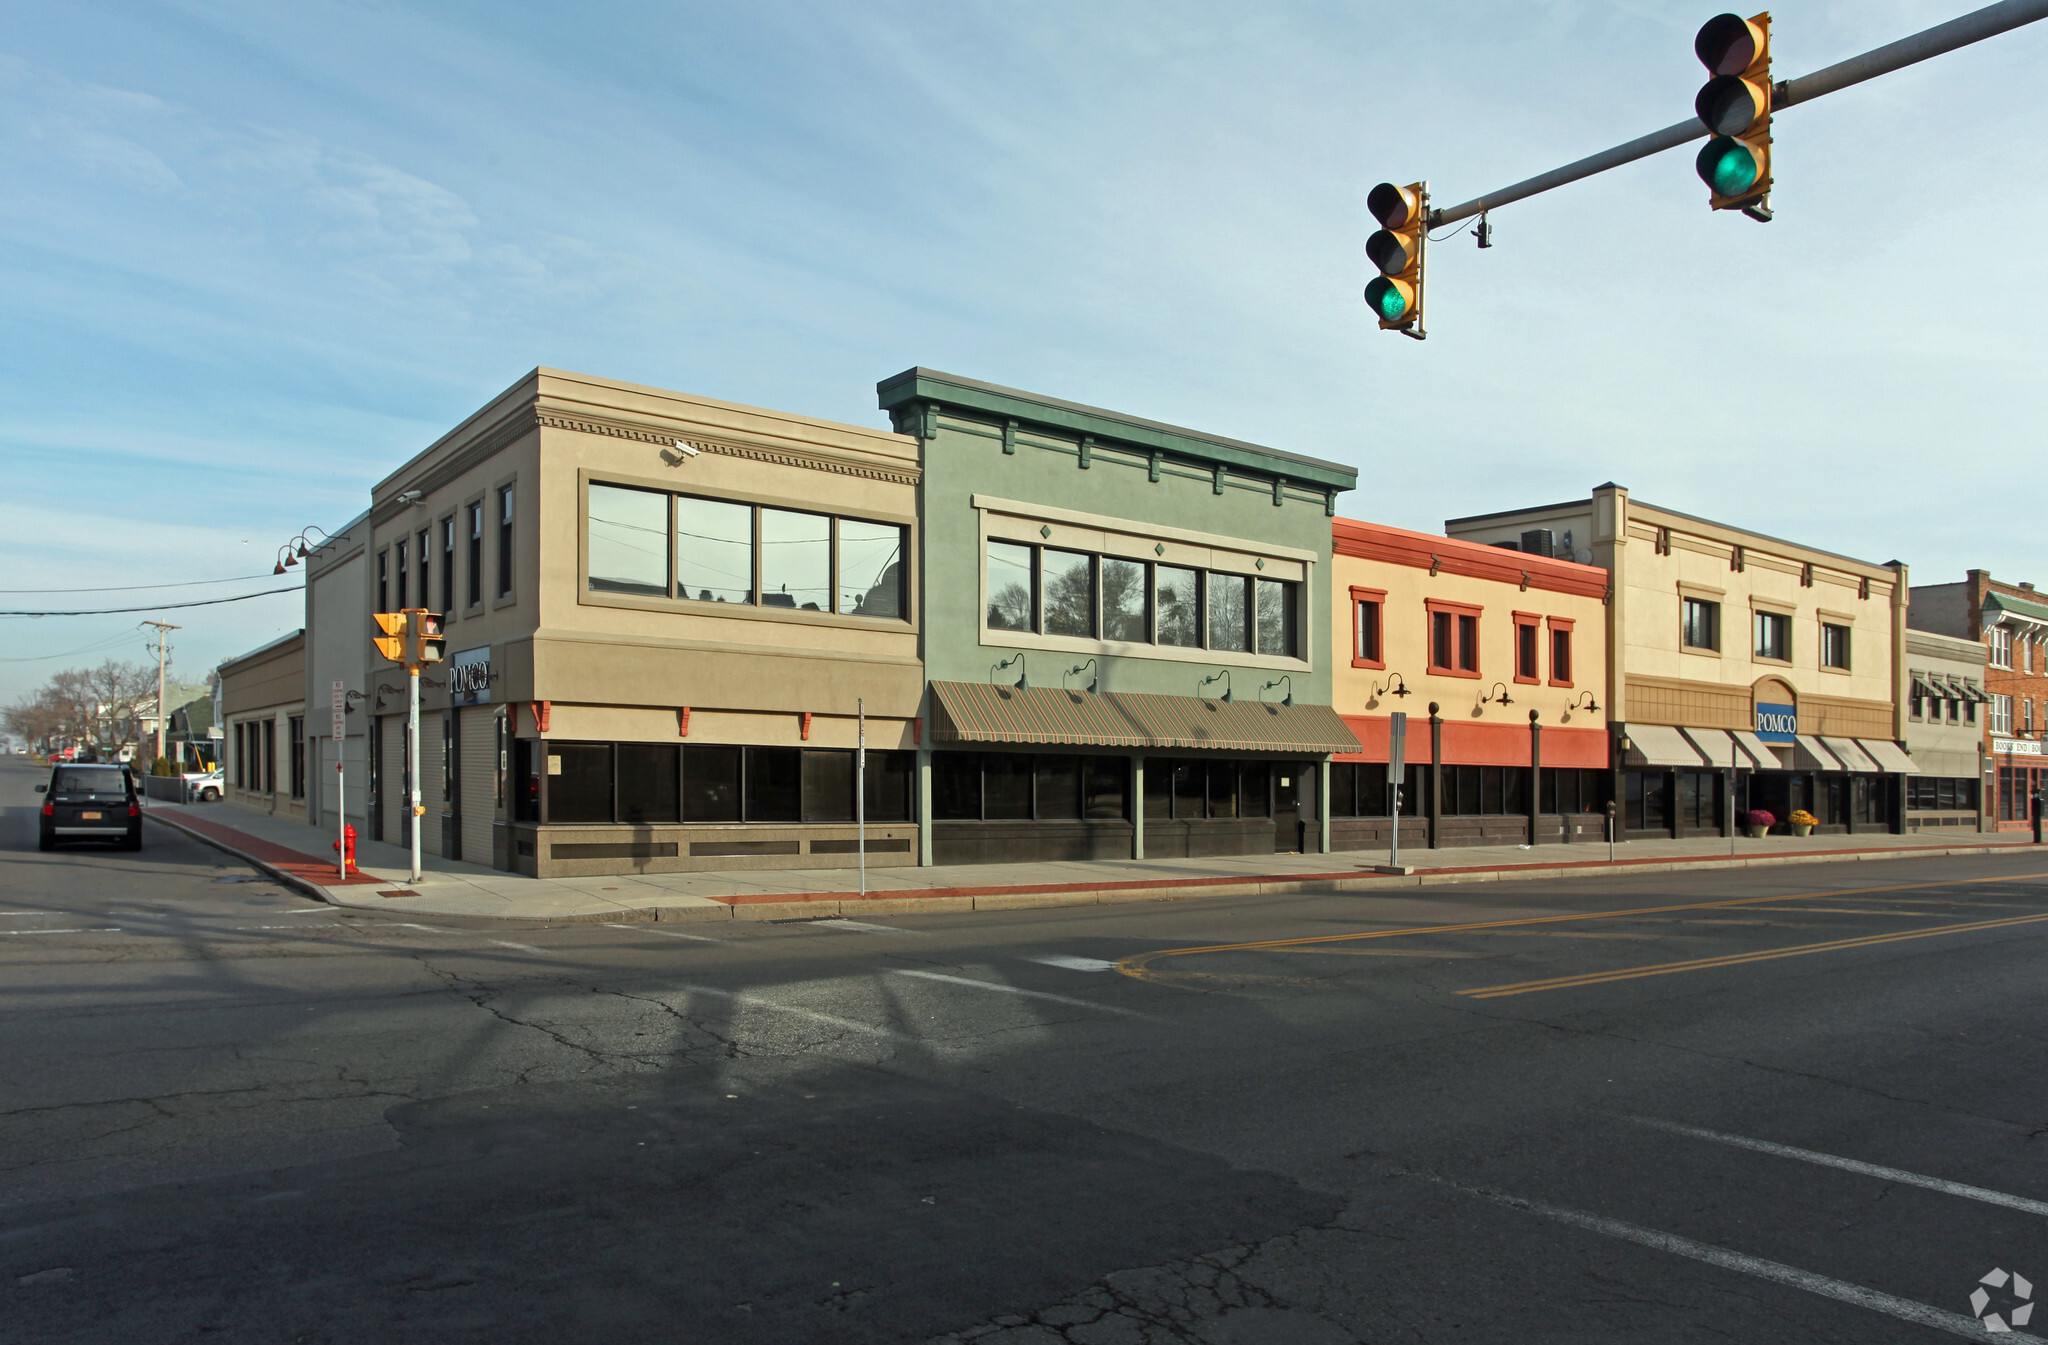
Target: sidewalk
(287,849)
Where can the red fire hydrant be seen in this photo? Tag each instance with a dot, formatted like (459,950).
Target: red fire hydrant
(347,846)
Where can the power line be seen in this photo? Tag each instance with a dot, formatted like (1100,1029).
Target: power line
(137,588)
(162,606)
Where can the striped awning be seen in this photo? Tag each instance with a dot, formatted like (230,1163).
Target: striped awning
(1721,748)
(1889,756)
(1660,745)
(976,712)
(1758,748)
(1852,755)
(1811,754)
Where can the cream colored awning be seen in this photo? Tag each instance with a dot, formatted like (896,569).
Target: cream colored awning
(1889,756)
(1660,745)
(975,712)
(1766,759)
(1810,754)
(1854,757)
(1721,748)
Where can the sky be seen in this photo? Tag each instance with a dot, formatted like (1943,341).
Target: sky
(255,256)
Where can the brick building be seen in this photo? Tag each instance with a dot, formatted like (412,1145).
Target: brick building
(2011,620)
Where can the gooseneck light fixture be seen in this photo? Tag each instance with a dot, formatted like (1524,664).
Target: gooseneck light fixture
(1016,661)
(1221,675)
(1590,704)
(1288,678)
(1094,674)
(1502,699)
(1396,685)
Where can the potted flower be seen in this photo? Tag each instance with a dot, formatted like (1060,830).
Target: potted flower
(1802,822)
(1759,822)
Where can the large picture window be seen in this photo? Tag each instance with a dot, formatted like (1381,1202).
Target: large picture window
(1052,591)
(657,544)
(1024,787)
(645,783)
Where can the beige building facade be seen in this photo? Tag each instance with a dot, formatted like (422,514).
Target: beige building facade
(263,713)
(1945,700)
(1745,671)
(664,617)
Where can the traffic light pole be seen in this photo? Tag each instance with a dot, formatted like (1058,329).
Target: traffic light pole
(1942,38)
(412,756)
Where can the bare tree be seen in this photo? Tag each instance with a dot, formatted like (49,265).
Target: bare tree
(38,719)
(102,707)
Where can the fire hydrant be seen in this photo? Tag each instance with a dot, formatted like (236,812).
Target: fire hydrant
(347,847)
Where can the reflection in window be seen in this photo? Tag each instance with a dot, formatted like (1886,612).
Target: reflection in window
(628,541)
(711,784)
(796,560)
(1276,617)
(1180,611)
(1228,628)
(1069,593)
(1009,586)
(1123,600)
(714,550)
(870,568)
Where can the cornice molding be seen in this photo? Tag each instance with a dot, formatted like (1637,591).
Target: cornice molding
(584,423)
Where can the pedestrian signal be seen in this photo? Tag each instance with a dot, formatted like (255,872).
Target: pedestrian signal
(428,645)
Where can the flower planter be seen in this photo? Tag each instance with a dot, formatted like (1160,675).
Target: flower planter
(1758,833)
(1802,828)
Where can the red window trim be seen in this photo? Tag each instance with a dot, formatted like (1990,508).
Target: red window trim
(1533,620)
(1455,609)
(1565,624)
(1372,595)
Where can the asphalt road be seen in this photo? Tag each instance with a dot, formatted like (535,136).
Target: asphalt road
(1793,1104)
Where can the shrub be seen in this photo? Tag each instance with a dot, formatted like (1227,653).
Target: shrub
(162,766)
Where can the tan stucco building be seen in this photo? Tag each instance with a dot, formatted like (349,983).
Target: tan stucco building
(1735,660)
(1945,697)
(263,713)
(662,615)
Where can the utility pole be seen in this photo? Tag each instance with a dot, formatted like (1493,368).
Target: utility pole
(163,629)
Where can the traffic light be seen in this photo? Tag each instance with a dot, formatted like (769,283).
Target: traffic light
(1395,294)
(427,644)
(391,644)
(1735,104)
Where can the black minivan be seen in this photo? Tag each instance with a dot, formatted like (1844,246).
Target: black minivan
(91,803)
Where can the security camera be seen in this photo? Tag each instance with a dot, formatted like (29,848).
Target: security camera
(687,450)
(410,496)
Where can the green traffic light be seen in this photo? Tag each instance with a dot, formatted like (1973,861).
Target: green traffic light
(1728,166)
(1389,298)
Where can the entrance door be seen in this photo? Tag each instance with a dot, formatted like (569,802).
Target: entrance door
(1287,790)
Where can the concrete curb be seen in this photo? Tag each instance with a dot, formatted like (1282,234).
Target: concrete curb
(898,901)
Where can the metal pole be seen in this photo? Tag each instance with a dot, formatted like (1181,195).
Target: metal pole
(412,749)
(1732,768)
(1938,40)
(860,788)
(1610,831)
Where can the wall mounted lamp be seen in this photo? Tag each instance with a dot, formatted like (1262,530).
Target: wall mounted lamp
(1396,685)
(1590,704)
(1222,676)
(1503,698)
(1288,678)
(1016,661)
(1094,674)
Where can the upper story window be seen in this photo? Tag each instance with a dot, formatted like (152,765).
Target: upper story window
(447,562)
(1528,649)
(1560,655)
(1053,591)
(1834,646)
(384,581)
(1774,636)
(476,554)
(505,541)
(1453,640)
(426,566)
(399,550)
(656,544)
(2001,713)
(1702,624)
(1368,627)
(2001,646)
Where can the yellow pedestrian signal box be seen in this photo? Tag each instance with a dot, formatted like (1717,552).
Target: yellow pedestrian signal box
(1395,295)
(428,646)
(1735,105)
(391,644)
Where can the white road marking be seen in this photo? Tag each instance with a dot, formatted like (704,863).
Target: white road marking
(522,947)
(1073,963)
(1017,990)
(103,929)
(858,927)
(431,929)
(756,1002)
(1905,1309)
(646,927)
(308,910)
(1898,1175)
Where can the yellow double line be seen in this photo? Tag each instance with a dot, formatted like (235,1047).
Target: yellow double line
(1737,959)
(1138,966)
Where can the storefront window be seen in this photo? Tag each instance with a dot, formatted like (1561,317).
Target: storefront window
(1253,799)
(796,560)
(648,782)
(774,784)
(1123,600)
(1006,787)
(1059,787)
(579,782)
(1223,789)
(870,568)
(1109,787)
(628,541)
(956,786)
(1190,790)
(828,786)
(1009,587)
(714,550)
(888,783)
(711,784)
